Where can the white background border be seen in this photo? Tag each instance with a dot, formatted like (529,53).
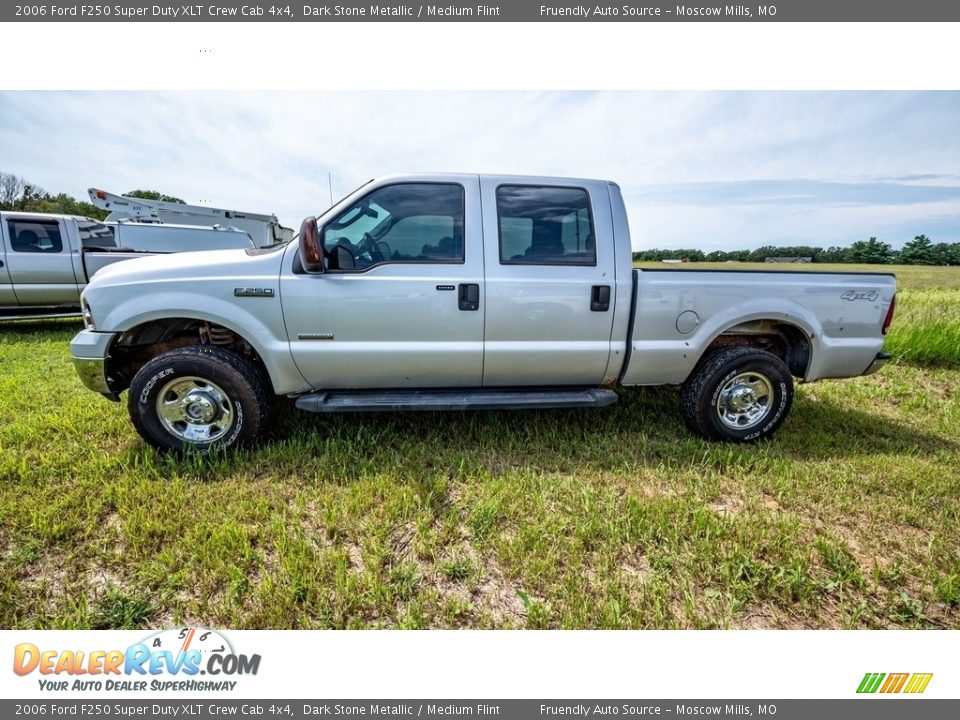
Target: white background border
(758,664)
(481,56)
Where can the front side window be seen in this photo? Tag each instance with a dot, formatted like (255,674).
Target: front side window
(545,226)
(405,223)
(35,236)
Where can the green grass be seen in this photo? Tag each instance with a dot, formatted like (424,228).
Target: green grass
(580,519)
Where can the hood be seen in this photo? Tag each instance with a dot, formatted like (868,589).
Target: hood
(186,285)
(196,266)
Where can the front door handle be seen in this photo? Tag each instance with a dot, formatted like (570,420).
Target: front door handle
(600,298)
(468,295)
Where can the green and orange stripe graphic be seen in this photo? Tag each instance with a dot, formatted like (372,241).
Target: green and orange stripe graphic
(894,682)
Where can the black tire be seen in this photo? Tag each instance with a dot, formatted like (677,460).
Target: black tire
(715,419)
(231,382)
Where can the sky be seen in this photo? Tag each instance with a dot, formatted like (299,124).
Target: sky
(707,170)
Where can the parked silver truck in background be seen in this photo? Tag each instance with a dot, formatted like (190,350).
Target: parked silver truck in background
(47,259)
(426,292)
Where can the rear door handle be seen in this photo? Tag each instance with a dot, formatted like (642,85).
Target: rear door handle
(600,298)
(468,295)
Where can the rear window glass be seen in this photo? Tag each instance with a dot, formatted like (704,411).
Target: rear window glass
(96,235)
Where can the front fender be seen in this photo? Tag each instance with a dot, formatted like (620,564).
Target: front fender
(263,329)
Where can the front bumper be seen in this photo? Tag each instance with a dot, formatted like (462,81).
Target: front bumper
(879,361)
(90,350)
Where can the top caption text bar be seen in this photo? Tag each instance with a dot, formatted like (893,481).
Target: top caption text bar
(512,11)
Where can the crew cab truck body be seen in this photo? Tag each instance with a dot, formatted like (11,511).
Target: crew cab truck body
(47,259)
(446,292)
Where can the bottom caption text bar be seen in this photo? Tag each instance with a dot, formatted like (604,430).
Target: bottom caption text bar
(873,708)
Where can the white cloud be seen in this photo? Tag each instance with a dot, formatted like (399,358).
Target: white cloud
(272,151)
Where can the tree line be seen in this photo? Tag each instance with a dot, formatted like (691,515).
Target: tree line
(919,251)
(17,193)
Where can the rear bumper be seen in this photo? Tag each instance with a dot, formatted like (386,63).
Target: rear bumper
(879,361)
(90,350)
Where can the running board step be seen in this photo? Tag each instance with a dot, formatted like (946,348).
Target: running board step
(419,400)
(32,314)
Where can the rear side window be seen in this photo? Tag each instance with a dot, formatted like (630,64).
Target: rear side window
(545,226)
(35,236)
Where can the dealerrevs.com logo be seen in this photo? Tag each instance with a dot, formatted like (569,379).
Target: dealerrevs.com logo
(168,660)
(892,683)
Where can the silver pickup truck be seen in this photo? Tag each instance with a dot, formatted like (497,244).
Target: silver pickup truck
(442,292)
(46,259)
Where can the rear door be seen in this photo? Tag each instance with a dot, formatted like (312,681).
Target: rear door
(401,303)
(40,261)
(550,281)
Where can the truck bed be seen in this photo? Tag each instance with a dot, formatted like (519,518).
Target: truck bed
(678,313)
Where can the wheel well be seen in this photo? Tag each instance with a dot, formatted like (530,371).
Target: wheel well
(786,341)
(135,347)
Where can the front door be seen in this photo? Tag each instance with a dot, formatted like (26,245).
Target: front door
(7,296)
(40,262)
(401,303)
(549,283)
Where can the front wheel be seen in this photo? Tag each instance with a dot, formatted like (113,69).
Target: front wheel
(198,398)
(737,394)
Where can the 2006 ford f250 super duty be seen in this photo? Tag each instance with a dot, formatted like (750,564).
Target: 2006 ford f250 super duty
(428,292)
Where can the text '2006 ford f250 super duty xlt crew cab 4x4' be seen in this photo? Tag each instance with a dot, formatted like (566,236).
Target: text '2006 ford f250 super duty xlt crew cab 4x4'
(440,292)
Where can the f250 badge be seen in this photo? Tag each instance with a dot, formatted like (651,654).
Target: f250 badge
(253,292)
(869,295)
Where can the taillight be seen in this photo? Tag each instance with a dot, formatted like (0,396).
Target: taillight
(889,318)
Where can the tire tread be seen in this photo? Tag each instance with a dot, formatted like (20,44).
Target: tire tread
(705,374)
(227,362)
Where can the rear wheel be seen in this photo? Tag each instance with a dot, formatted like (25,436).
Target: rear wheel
(198,398)
(737,394)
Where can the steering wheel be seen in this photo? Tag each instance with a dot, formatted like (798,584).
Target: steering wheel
(371,247)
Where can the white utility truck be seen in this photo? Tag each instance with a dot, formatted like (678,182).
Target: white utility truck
(264,229)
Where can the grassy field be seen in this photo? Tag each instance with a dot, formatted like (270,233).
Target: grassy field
(577,519)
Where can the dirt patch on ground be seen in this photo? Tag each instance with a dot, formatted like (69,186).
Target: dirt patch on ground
(636,567)
(757,618)
(727,507)
(760,617)
(770,503)
(482,588)
(60,580)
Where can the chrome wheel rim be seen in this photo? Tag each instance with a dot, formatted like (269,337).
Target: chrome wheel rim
(195,410)
(745,400)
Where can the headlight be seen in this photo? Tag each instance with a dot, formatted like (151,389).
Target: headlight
(87,315)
